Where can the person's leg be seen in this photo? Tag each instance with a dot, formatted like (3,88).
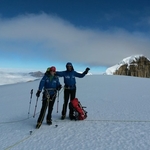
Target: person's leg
(66,99)
(73,94)
(42,113)
(50,109)
(71,111)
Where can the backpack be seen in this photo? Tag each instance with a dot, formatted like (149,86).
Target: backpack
(77,111)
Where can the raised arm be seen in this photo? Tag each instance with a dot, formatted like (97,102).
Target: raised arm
(81,75)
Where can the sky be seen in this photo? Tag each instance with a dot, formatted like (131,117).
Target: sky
(36,34)
(118,116)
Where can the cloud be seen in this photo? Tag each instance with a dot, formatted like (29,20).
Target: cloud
(50,37)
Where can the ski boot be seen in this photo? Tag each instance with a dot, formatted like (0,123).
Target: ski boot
(63,117)
(49,122)
(38,125)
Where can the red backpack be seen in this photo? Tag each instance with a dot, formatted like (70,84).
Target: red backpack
(77,111)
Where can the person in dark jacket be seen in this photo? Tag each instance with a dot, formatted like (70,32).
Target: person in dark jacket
(70,85)
(51,84)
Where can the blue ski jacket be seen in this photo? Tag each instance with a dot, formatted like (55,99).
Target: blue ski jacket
(69,77)
(49,83)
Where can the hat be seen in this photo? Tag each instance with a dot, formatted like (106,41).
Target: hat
(69,64)
(52,69)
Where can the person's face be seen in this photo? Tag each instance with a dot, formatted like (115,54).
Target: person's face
(69,67)
(52,73)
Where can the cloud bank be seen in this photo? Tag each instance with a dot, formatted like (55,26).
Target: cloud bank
(47,37)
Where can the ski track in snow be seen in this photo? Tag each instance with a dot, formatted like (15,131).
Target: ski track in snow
(118,117)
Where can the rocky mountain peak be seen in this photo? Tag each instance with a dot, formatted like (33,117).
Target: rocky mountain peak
(137,65)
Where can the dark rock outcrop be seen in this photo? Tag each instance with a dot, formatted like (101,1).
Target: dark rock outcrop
(138,67)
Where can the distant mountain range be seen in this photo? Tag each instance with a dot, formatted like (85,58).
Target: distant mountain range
(36,74)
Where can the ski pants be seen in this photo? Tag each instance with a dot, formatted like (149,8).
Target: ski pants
(46,103)
(68,93)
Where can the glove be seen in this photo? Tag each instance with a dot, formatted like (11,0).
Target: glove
(59,87)
(86,70)
(38,93)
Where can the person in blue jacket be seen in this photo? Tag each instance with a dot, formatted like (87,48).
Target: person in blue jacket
(51,84)
(70,86)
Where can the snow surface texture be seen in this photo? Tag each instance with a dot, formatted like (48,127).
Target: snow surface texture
(128,61)
(118,116)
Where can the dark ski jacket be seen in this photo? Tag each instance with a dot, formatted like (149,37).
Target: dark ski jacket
(49,83)
(69,77)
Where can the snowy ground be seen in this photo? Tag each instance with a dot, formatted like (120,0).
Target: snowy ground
(118,117)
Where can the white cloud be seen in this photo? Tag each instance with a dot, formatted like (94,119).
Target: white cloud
(48,37)
(10,78)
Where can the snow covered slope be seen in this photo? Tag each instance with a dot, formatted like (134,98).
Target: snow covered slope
(118,117)
(127,61)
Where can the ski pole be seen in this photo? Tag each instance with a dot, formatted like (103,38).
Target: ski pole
(35,107)
(30,102)
(57,101)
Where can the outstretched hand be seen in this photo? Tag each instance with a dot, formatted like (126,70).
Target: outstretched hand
(86,70)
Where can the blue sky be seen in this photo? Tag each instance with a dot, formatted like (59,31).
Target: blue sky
(36,34)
